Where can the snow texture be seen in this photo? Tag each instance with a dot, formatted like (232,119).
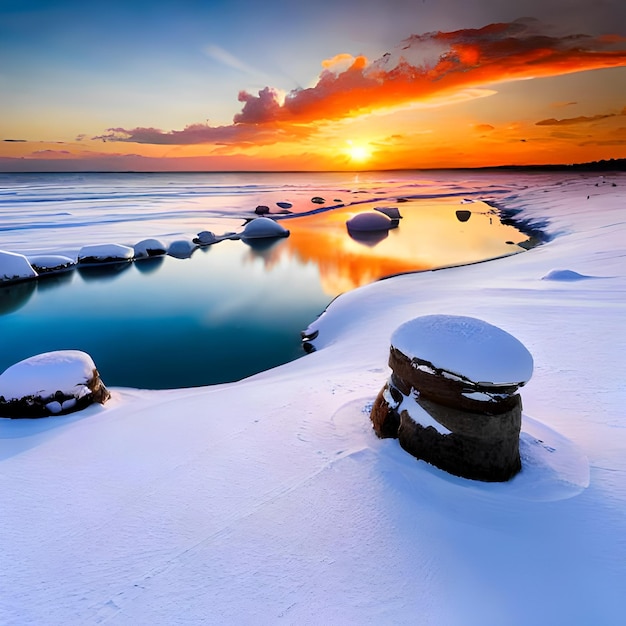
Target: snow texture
(44,374)
(271,500)
(50,263)
(465,346)
(14,267)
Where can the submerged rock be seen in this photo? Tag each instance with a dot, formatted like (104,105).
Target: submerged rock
(52,383)
(263,227)
(15,267)
(451,399)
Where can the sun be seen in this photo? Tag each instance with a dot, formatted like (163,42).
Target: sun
(358,152)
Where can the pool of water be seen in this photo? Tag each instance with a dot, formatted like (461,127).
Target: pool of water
(232,309)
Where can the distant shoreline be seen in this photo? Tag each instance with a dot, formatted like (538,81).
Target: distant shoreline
(604,165)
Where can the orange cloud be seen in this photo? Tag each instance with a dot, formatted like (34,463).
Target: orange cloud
(423,68)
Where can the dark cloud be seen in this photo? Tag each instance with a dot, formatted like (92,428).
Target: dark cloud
(570,121)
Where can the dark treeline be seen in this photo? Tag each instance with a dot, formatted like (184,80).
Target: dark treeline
(605,165)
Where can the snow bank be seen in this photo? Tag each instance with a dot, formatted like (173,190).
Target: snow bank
(271,500)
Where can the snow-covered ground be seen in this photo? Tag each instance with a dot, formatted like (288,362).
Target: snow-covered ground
(271,500)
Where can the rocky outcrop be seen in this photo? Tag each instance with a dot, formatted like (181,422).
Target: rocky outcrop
(466,423)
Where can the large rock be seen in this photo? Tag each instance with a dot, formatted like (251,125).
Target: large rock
(14,268)
(148,248)
(451,399)
(51,264)
(52,383)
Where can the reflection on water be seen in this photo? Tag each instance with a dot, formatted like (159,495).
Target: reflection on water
(234,308)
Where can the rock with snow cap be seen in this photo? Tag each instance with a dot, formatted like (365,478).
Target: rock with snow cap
(51,383)
(147,248)
(52,263)
(15,267)
(263,227)
(452,399)
(370,221)
(105,253)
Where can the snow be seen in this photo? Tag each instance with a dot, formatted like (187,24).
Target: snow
(14,267)
(263,227)
(421,416)
(271,500)
(148,248)
(105,253)
(44,374)
(465,346)
(48,263)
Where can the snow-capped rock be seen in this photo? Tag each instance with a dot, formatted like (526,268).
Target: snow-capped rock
(49,384)
(15,267)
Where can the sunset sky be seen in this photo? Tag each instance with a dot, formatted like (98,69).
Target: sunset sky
(319,85)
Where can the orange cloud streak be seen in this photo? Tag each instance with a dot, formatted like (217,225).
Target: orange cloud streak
(424,67)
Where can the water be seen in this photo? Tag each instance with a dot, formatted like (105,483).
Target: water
(232,309)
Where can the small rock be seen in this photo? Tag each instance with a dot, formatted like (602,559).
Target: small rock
(205,238)
(263,227)
(149,248)
(262,210)
(52,264)
(318,200)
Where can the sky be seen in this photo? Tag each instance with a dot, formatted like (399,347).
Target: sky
(325,85)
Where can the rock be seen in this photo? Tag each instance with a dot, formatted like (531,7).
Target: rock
(52,264)
(263,227)
(205,238)
(317,200)
(390,211)
(181,249)
(148,248)
(462,215)
(262,210)
(51,383)
(369,221)
(15,267)
(451,399)
(284,205)
(105,253)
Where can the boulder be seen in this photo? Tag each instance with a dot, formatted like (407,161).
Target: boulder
(451,399)
(105,253)
(15,267)
(51,264)
(317,200)
(205,238)
(262,210)
(52,383)
(148,248)
(263,227)
(370,221)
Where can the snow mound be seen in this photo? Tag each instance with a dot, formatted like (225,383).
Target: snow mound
(263,227)
(14,267)
(205,238)
(370,221)
(467,347)
(181,249)
(565,275)
(51,263)
(45,374)
(149,248)
(105,253)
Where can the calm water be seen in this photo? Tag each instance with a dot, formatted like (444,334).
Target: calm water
(230,310)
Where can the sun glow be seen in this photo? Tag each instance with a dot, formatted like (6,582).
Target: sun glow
(358,152)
